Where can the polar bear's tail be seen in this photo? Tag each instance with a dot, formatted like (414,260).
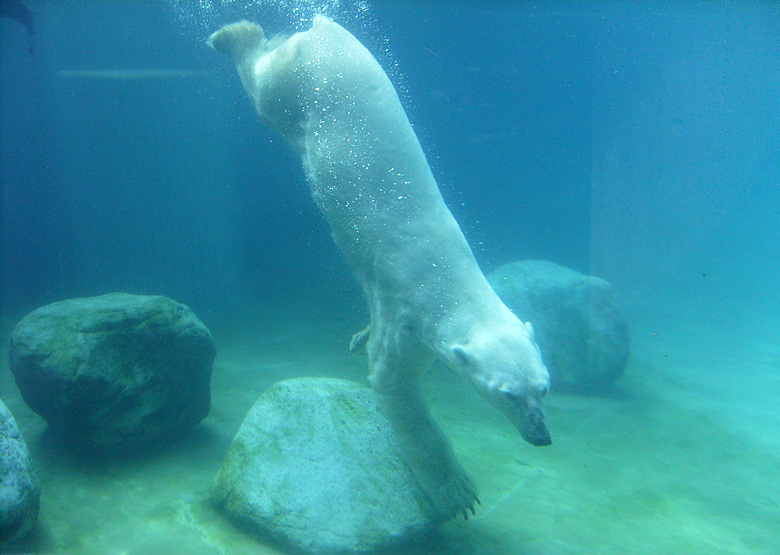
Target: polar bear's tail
(235,39)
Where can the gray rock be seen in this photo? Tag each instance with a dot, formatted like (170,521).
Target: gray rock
(579,326)
(115,372)
(20,491)
(316,468)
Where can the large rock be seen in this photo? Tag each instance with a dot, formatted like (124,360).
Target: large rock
(580,328)
(316,468)
(20,491)
(115,372)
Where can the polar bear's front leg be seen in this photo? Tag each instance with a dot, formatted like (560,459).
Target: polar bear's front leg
(447,490)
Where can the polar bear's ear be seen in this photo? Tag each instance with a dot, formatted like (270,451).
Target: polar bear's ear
(530,330)
(461,355)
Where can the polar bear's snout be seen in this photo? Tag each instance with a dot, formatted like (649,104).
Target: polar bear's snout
(526,413)
(533,424)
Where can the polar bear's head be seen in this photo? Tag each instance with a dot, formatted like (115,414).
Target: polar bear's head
(506,367)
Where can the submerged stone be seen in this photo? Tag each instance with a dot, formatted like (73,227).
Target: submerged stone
(114,372)
(316,468)
(579,325)
(20,491)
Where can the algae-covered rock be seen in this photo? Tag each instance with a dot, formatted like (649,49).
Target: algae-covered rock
(315,467)
(114,372)
(20,491)
(579,325)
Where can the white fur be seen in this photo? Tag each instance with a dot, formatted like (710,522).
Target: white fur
(330,99)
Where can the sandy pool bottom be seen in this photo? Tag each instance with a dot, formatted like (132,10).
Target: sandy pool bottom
(681,456)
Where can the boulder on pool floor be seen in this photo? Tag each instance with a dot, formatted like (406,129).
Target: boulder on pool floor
(315,468)
(115,372)
(579,326)
(20,491)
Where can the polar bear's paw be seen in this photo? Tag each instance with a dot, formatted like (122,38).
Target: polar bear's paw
(462,494)
(360,339)
(449,491)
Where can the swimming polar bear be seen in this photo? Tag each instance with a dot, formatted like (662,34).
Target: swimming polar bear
(329,98)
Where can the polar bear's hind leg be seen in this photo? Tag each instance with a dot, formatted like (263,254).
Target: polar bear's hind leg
(235,39)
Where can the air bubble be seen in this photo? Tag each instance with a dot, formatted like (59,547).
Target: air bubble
(202,17)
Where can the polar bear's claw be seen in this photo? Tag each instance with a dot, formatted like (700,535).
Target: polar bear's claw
(360,339)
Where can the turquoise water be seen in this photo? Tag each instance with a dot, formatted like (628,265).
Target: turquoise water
(632,142)
(681,456)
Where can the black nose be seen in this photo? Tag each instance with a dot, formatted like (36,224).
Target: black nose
(534,428)
(541,440)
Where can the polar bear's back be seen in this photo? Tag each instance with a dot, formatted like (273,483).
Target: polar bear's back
(324,92)
(366,168)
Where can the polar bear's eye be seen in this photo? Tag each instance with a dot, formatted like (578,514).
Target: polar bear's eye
(511,396)
(460,354)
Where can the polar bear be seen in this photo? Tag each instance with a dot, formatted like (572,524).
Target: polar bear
(330,99)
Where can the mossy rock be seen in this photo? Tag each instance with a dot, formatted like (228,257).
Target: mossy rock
(117,372)
(315,467)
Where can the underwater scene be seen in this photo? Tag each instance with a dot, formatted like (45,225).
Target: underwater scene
(389,276)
